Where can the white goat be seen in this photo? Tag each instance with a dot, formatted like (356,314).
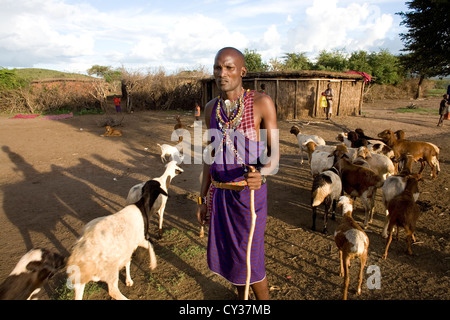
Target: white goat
(135,193)
(381,164)
(302,138)
(108,243)
(323,160)
(173,152)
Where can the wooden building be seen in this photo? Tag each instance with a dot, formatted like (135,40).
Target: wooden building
(296,94)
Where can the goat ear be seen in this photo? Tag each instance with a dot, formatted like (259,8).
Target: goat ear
(163,192)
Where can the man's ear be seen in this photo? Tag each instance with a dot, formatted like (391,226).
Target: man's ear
(243,71)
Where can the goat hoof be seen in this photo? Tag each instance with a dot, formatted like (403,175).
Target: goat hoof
(325,231)
(129,283)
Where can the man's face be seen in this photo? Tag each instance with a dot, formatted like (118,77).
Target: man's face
(228,70)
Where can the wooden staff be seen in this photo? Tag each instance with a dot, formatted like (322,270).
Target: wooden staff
(250,239)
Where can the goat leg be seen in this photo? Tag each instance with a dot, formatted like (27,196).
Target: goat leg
(363,259)
(129,282)
(314,214)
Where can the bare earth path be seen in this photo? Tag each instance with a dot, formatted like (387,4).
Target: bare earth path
(55,176)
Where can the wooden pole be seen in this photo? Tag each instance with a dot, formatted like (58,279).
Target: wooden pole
(250,240)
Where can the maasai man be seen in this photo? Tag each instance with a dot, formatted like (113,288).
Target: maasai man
(227,181)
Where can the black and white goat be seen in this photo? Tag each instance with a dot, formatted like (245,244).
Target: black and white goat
(30,274)
(108,243)
(326,189)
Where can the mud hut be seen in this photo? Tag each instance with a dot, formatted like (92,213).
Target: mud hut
(296,94)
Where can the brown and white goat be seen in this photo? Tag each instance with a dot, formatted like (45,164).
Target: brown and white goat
(424,152)
(352,242)
(358,181)
(404,212)
(30,274)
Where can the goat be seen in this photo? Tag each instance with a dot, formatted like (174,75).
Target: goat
(393,186)
(326,189)
(355,140)
(173,152)
(419,150)
(352,242)
(110,132)
(323,160)
(362,135)
(310,146)
(381,148)
(302,138)
(30,274)
(379,163)
(343,137)
(404,212)
(358,181)
(107,244)
(135,193)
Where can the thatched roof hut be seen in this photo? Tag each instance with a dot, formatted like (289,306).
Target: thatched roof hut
(296,94)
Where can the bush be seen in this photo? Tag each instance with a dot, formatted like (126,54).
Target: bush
(158,91)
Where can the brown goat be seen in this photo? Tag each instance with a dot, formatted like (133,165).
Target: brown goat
(359,181)
(404,212)
(420,151)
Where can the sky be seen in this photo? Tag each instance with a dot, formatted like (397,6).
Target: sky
(72,36)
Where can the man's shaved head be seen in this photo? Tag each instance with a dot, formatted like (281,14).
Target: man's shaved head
(235,53)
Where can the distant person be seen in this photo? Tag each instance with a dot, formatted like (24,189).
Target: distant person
(117,104)
(329,96)
(262,88)
(443,109)
(197,112)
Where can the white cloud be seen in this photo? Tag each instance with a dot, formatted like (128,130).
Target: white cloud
(70,35)
(329,26)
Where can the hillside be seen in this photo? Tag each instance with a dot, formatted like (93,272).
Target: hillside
(31,74)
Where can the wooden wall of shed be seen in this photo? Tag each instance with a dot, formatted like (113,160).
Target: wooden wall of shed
(350,98)
(298,98)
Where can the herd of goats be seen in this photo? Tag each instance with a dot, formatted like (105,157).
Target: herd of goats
(354,168)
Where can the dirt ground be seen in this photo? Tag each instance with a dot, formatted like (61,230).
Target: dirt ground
(57,175)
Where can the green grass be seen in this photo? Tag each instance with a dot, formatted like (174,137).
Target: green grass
(436,92)
(31,74)
(418,110)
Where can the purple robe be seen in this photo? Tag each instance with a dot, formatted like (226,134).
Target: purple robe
(230,209)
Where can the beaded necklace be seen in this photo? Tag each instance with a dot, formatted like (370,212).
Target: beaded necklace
(233,122)
(234,119)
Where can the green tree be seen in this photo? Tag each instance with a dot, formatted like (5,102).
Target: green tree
(10,80)
(385,67)
(296,61)
(253,61)
(427,40)
(105,72)
(359,61)
(334,61)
